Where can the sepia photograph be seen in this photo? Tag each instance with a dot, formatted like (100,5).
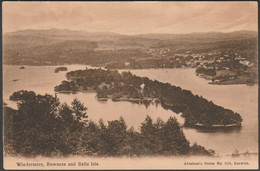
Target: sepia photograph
(130,85)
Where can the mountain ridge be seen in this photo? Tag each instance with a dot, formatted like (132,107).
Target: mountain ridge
(81,32)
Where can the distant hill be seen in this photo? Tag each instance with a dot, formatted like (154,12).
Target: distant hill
(72,34)
(58,46)
(208,35)
(49,32)
(65,34)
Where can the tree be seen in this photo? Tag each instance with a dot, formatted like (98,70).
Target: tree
(66,113)
(36,128)
(79,110)
(174,141)
(148,136)
(116,137)
(158,125)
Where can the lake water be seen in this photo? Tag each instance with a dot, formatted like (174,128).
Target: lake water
(239,98)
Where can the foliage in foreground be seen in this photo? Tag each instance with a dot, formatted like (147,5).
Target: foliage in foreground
(43,126)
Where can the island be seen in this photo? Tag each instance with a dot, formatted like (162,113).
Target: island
(60,69)
(110,84)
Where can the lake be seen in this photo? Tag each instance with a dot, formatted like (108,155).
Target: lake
(239,98)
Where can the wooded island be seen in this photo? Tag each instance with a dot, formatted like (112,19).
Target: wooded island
(110,84)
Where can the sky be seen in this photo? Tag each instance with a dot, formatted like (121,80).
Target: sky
(131,17)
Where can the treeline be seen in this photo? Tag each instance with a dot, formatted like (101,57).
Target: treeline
(112,84)
(43,126)
(148,63)
(206,71)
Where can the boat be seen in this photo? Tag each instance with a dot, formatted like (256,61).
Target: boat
(115,99)
(60,69)
(102,99)
(234,125)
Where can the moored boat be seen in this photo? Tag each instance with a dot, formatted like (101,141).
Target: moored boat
(234,125)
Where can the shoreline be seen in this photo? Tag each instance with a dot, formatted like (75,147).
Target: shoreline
(153,101)
(222,82)
(225,82)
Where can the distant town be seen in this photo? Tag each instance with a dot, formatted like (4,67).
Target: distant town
(218,67)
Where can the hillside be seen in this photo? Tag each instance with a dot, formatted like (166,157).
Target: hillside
(60,46)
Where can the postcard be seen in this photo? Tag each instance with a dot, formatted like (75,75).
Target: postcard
(130,85)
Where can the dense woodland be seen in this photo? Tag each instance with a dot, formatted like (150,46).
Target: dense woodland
(43,126)
(126,86)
